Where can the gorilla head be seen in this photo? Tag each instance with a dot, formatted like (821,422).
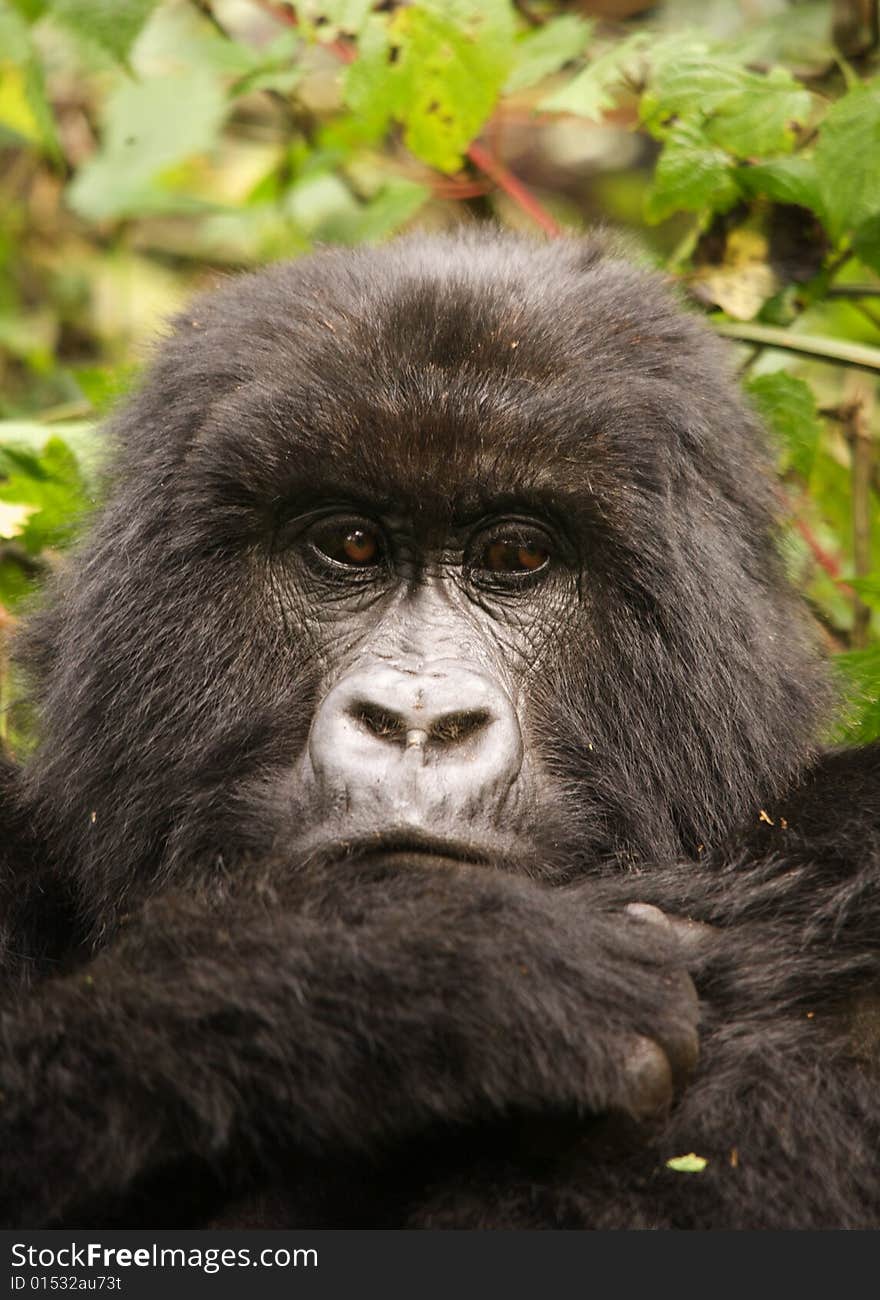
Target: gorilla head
(461,548)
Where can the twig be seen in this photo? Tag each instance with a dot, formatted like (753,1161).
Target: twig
(749,362)
(827,562)
(869,314)
(512,186)
(834,351)
(853,291)
(533,19)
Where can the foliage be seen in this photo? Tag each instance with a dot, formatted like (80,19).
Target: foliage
(147,144)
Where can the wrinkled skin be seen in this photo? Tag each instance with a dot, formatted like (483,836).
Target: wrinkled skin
(428,826)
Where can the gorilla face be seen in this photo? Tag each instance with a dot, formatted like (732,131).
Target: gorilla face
(431,620)
(460,548)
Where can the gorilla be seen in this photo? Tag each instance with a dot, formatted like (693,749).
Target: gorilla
(429,824)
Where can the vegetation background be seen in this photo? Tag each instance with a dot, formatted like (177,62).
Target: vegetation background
(148,146)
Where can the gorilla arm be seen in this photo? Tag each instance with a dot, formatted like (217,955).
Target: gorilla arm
(340,1012)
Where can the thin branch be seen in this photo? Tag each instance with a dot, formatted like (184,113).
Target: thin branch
(834,351)
(284,16)
(853,291)
(869,314)
(533,19)
(838,263)
(828,563)
(749,362)
(514,188)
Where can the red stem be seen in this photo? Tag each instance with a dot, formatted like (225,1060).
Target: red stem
(825,560)
(512,186)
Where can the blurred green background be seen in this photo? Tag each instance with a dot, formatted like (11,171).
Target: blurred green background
(149,146)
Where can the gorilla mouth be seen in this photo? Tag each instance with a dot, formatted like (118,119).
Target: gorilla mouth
(398,847)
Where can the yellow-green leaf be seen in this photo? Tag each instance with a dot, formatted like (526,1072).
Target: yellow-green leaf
(689,1164)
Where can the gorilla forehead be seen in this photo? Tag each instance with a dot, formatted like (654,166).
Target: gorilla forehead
(441,367)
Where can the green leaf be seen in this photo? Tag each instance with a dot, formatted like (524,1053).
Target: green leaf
(339,15)
(453,58)
(546,49)
(785,180)
(589,94)
(689,1164)
(30,10)
(759,118)
(395,204)
(860,673)
(691,174)
(788,407)
(29,438)
(26,108)
(868,589)
(848,160)
(319,202)
(15,39)
(104,385)
(16,113)
(54,489)
(367,80)
(112,24)
(150,126)
(274,68)
(15,587)
(688,79)
(742,111)
(866,243)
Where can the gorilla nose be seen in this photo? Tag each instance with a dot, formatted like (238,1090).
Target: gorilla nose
(448,731)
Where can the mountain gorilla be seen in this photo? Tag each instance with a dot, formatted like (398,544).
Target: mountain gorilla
(428,826)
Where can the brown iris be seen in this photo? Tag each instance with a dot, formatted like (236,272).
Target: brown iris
(506,555)
(358,546)
(355,545)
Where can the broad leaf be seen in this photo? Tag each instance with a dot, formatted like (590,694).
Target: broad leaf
(546,49)
(785,180)
(866,243)
(788,407)
(453,57)
(691,174)
(113,25)
(591,93)
(848,160)
(150,126)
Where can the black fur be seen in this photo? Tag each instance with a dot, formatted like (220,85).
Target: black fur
(204,1024)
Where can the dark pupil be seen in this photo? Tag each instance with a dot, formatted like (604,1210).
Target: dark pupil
(358,547)
(514,557)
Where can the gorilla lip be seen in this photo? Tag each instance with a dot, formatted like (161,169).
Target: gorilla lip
(400,844)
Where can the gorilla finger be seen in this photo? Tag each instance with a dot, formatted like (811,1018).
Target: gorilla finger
(647,1080)
(693,937)
(648,913)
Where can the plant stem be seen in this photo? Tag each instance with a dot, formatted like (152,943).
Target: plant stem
(834,351)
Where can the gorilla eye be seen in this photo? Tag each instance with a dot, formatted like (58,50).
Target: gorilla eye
(354,544)
(511,553)
(506,556)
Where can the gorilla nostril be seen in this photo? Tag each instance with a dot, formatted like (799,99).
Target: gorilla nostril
(379,722)
(454,728)
(445,729)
